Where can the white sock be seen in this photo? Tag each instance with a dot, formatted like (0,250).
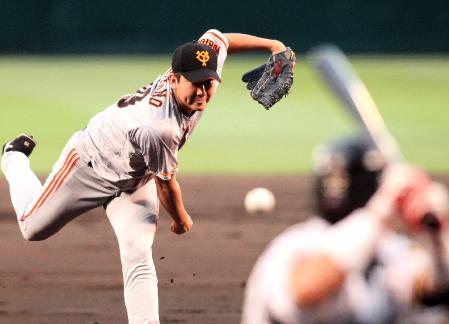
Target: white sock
(24,186)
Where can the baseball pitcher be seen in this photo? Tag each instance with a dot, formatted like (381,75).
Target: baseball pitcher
(126,158)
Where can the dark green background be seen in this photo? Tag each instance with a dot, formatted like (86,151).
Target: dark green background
(118,26)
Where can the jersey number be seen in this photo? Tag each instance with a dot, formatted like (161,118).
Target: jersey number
(140,95)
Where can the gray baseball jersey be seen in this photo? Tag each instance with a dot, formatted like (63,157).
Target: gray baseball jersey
(107,164)
(141,134)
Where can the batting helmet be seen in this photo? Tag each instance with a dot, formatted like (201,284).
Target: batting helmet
(347,173)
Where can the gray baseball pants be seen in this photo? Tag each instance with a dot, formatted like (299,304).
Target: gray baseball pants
(71,189)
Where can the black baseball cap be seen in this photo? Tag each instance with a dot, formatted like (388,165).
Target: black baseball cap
(196,62)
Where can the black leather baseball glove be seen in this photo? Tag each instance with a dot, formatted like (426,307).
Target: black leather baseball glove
(271,81)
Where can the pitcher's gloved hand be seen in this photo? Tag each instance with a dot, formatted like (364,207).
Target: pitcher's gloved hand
(270,82)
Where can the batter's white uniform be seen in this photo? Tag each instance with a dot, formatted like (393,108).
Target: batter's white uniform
(112,163)
(377,295)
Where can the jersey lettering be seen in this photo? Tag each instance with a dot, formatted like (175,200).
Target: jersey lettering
(155,102)
(140,94)
(160,91)
(210,43)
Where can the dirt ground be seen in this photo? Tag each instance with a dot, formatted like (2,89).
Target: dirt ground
(75,276)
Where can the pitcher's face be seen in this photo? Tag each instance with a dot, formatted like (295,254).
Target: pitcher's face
(192,97)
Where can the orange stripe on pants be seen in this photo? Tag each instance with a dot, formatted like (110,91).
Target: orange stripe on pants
(61,175)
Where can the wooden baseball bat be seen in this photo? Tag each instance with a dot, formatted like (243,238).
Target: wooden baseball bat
(334,67)
(336,70)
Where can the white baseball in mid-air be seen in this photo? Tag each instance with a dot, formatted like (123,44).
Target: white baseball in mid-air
(259,200)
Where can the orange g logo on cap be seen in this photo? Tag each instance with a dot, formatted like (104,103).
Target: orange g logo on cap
(196,62)
(203,57)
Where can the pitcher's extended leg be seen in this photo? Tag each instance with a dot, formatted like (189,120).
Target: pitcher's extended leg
(71,189)
(133,217)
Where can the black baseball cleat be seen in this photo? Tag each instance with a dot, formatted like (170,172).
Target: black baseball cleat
(23,143)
